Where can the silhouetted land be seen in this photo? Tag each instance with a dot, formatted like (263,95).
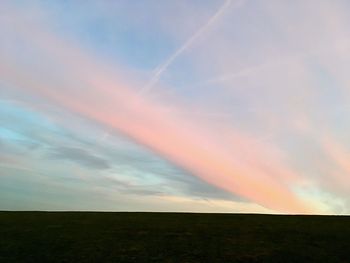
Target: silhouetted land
(171,237)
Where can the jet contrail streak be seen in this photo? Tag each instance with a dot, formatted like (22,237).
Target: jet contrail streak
(186,45)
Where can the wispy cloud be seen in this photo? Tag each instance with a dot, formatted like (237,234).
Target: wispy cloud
(176,139)
(268,129)
(163,67)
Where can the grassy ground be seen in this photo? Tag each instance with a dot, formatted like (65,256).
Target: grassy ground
(172,237)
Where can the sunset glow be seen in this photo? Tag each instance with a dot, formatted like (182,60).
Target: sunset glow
(205,106)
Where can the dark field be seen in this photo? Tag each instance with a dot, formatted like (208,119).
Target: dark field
(172,237)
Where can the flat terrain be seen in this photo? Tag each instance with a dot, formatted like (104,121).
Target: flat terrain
(171,237)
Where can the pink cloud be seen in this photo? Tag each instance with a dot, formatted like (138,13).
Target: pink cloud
(90,89)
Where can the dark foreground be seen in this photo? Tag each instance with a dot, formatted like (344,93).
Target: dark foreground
(171,237)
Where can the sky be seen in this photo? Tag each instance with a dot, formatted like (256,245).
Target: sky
(235,106)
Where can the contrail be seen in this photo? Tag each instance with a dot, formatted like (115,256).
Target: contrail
(255,68)
(187,45)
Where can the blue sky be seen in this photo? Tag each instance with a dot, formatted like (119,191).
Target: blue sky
(210,106)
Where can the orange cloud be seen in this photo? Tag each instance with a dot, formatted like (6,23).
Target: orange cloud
(90,90)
